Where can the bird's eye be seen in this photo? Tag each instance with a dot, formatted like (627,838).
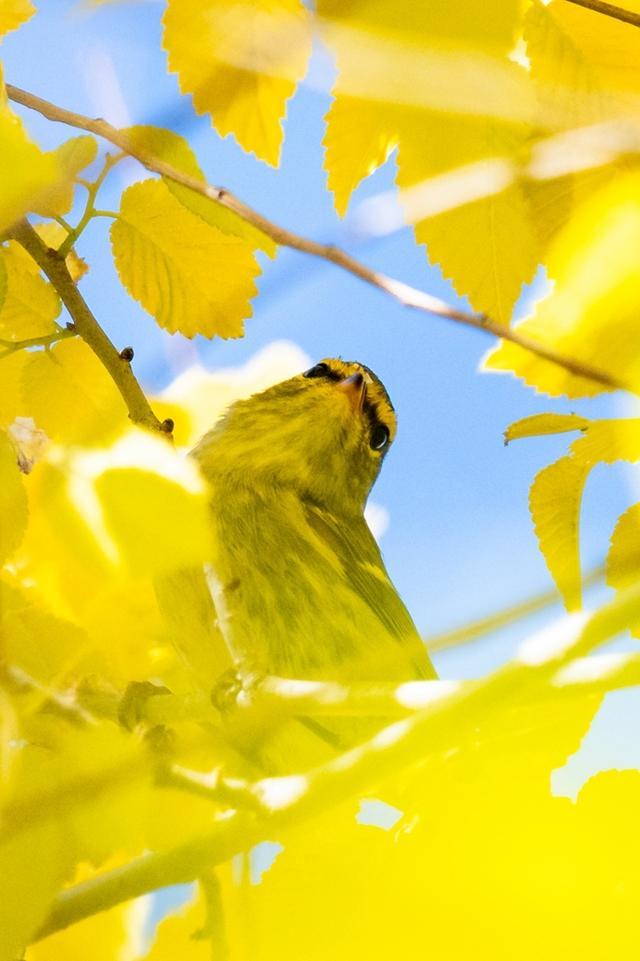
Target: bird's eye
(379,437)
(320,370)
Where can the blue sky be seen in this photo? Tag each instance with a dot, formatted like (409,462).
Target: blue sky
(460,541)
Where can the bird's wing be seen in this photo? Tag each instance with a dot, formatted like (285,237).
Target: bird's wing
(365,574)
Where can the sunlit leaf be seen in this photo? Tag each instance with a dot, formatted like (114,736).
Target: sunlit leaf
(607,441)
(554,501)
(70,395)
(190,276)
(174,149)
(13,13)
(31,305)
(591,313)
(623,559)
(25,170)
(71,157)
(240,63)
(539,424)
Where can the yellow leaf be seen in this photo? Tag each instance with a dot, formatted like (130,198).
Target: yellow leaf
(25,171)
(33,865)
(174,149)
(240,63)
(11,403)
(31,304)
(70,395)
(356,143)
(190,276)
(607,441)
(158,523)
(554,502)
(177,937)
(13,13)
(45,646)
(623,560)
(71,157)
(539,424)
(53,235)
(591,314)
(108,936)
(13,500)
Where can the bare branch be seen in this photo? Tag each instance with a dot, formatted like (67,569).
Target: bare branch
(54,267)
(403,293)
(610,10)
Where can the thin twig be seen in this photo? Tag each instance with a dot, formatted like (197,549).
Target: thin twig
(610,10)
(403,293)
(54,267)
(46,340)
(89,212)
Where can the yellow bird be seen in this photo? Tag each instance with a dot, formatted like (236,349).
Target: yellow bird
(301,589)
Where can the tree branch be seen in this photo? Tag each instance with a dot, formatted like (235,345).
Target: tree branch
(403,293)
(289,800)
(609,10)
(54,267)
(47,340)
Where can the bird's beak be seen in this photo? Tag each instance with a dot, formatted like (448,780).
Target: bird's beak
(355,389)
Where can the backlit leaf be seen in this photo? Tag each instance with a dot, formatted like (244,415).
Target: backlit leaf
(70,395)
(31,305)
(240,63)
(13,13)
(174,149)
(71,157)
(591,313)
(190,276)
(554,502)
(540,424)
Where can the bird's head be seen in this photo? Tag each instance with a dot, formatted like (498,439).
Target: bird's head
(323,433)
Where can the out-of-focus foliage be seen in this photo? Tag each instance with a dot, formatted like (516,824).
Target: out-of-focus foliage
(515,126)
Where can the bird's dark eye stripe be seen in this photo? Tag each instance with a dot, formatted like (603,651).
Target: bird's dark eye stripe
(322,370)
(379,437)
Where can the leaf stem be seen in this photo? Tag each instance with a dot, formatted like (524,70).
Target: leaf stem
(46,340)
(53,265)
(89,211)
(403,293)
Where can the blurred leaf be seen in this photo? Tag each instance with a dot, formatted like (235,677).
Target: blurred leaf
(190,276)
(31,305)
(554,501)
(240,63)
(71,157)
(591,313)
(623,559)
(11,404)
(109,936)
(174,149)
(70,395)
(47,647)
(13,500)
(25,170)
(13,13)
(541,424)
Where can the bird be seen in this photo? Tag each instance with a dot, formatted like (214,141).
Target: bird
(298,580)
